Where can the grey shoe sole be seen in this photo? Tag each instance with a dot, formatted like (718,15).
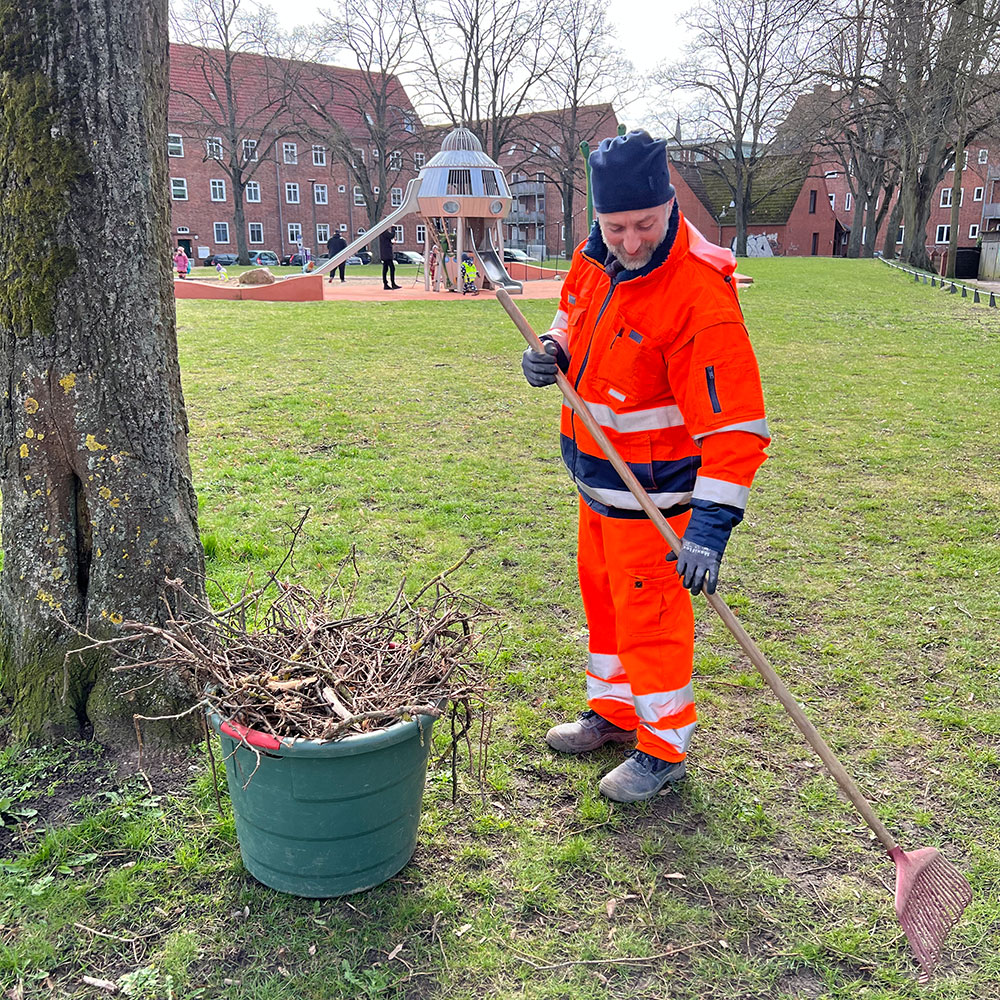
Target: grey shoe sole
(582,742)
(618,791)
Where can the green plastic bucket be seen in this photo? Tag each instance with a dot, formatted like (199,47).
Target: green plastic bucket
(326,819)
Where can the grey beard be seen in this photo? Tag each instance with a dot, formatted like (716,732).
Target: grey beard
(635,262)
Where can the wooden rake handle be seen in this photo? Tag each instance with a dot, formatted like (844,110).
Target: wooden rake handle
(774,682)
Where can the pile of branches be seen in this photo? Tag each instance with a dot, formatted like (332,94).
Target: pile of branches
(295,666)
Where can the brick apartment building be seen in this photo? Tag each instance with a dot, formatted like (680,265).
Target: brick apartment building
(297,188)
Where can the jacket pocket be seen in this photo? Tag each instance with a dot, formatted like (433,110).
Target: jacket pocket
(713,392)
(632,372)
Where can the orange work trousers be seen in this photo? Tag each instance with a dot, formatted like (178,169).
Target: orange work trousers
(641,631)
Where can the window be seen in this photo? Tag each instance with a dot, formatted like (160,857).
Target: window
(320,194)
(516,178)
(540,177)
(178,189)
(562,232)
(341,188)
(418,161)
(847,202)
(513,149)
(977,195)
(984,155)
(343,227)
(319,156)
(249,150)
(375,153)
(833,200)
(361,230)
(396,197)
(290,152)
(291,194)
(555,149)
(375,190)
(322,232)
(973,231)
(490,187)
(965,161)
(395,160)
(213,148)
(175,145)
(815,245)
(812,202)
(294,232)
(943,234)
(359,156)
(359,198)
(222,232)
(183,229)
(252,191)
(421,234)
(946,197)
(217,189)
(899,234)
(832,173)
(398,234)
(255,230)
(459,182)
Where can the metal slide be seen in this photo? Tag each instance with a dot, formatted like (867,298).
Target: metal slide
(409,205)
(493,266)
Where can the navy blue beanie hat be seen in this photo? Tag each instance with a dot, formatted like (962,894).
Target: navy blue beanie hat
(630,172)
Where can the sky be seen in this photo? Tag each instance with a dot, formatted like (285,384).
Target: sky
(648,32)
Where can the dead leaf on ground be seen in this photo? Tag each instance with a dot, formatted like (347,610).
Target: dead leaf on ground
(463,930)
(395,951)
(610,907)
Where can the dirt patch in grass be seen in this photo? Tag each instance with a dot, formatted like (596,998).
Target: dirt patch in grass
(51,780)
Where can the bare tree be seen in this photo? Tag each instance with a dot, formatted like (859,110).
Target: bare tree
(364,114)
(236,100)
(482,63)
(98,505)
(587,70)
(946,96)
(748,61)
(859,124)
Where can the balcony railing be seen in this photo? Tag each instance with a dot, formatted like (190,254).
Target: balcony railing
(520,218)
(527,187)
(991,210)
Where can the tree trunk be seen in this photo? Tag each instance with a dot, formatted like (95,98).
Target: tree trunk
(240,219)
(916,198)
(895,215)
(98,505)
(956,209)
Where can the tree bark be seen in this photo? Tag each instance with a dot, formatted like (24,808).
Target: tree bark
(98,505)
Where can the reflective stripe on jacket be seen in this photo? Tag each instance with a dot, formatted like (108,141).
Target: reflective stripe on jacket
(665,365)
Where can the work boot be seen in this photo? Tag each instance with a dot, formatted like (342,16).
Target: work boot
(589,732)
(640,777)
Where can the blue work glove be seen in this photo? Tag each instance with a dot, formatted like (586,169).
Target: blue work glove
(698,567)
(540,369)
(704,543)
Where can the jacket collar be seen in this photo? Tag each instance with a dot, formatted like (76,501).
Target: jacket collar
(596,249)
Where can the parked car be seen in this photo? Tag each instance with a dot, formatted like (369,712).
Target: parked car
(264,258)
(225,259)
(517,256)
(354,260)
(292,260)
(407,257)
(365,255)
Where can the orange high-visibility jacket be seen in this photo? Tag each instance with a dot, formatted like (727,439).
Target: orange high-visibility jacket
(664,362)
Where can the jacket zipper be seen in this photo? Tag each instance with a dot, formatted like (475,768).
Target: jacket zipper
(712,394)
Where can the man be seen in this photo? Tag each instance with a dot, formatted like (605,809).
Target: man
(388,262)
(650,333)
(334,245)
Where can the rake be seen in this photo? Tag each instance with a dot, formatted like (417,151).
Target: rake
(931,893)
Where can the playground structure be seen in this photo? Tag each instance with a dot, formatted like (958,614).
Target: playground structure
(462,196)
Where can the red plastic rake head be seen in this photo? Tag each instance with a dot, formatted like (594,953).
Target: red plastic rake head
(931,896)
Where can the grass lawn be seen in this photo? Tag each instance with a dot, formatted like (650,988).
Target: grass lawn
(866,569)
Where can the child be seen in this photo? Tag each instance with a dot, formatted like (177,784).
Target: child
(469,275)
(181,262)
(223,276)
